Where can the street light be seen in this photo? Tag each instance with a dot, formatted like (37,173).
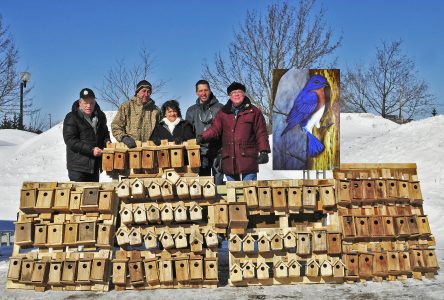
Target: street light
(24,78)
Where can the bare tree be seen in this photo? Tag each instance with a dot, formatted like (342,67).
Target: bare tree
(387,86)
(284,38)
(120,81)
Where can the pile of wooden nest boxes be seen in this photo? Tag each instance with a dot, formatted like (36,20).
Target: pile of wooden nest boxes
(164,231)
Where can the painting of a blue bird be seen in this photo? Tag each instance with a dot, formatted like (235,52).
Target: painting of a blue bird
(307,111)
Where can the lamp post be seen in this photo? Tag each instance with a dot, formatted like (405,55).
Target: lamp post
(24,78)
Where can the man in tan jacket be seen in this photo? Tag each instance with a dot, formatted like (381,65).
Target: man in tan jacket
(136,118)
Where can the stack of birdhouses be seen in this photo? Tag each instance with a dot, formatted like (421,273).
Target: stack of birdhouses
(386,234)
(287,239)
(70,228)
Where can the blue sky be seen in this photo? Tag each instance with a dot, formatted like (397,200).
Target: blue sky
(68,45)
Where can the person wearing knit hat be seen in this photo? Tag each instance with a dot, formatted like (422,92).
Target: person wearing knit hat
(136,118)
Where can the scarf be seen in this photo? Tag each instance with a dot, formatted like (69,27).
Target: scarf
(171,125)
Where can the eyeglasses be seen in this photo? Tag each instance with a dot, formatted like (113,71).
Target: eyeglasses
(237,92)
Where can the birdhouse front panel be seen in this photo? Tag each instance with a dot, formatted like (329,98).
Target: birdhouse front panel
(294,269)
(83,271)
(26,271)
(69,271)
(120,160)
(166,213)
(279,199)
(87,233)
(312,269)
(122,236)
(119,272)
(248,270)
(413,225)
(393,262)
(150,241)
(193,157)
(319,241)
(177,157)
(123,190)
(126,216)
(402,226)
(138,189)
(180,213)
(237,215)
(140,216)
(289,240)
(362,228)
(250,196)
(55,273)
(221,215)
(327,196)
(166,240)
(234,243)
(180,240)
(430,260)
(294,196)
(404,262)
(262,271)
(281,270)
(415,192)
(182,267)
(417,260)
(166,188)
(106,201)
(135,159)
(351,262)
(277,242)
(389,226)
(163,158)
(309,197)
(151,271)
(236,273)
(135,269)
(108,160)
(264,198)
(403,188)
(423,225)
(365,265)
(263,244)
(154,191)
(343,188)
(209,189)
(15,265)
(166,271)
(40,233)
(248,244)
(182,190)
(326,268)
(74,201)
(376,226)
(45,200)
(392,189)
(196,269)
(71,233)
(61,201)
(380,267)
(99,270)
(369,190)
(303,244)
(195,190)
(90,199)
(135,238)
(153,214)
(196,212)
(55,235)
(357,189)
(211,239)
(334,243)
(380,189)
(28,198)
(147,159)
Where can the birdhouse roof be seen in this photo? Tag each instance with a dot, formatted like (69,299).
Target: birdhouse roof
(248,263)
(312,261)
(139,208)
(164,233)
(289,233)
(279,263)
(211,230)
(180,206)
(195,205)
(177,234)
(276,234)
(137,180)
(122,229)
(338,261)
(166,206)
(134,229)
(209,182)
(262,263)
(153,206)
(235,266)
(294,261)
(235,237)
(149,233)
(325,261)
(264,236)
(248,237)
(125,208)
(196,236)
(153,183)
(122,183)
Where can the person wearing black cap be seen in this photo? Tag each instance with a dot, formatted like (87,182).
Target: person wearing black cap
(136,118)
(241,127)
(85,133)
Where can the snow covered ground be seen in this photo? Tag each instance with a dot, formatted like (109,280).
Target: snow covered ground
(364,138)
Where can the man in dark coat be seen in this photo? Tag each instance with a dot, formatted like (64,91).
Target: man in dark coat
(201,115)
(241,127)
(85,133)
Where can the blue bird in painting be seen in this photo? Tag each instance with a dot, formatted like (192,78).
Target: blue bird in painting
(307,111)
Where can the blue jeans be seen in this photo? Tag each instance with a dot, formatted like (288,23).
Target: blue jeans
(245,177)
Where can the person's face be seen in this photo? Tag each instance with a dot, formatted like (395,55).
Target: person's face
(203,92)
(171,114)
(87,105)
(144,94)
(237,97)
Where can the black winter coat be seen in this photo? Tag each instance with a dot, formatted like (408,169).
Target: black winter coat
(182,132)
(80,140)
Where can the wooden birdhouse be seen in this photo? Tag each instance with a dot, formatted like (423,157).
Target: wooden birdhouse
(362,228)
(40,233)
(135,237)
(195,211)
(294,268)
(413,225)
(403,188)
(357,189)
(404,262)
(380,267)
(196,241)
(351,262)
(28,198)
(106,201)
(135,158)
(69,271)
(74,201)
(104,236)
(262,270)
(87,233)
(393,262)
(167,213)
(122,236)
(137,189)
(180,240)
(171,175)
(430,260)
(123,190)
(99,270)
(151,270)
(417,260)
(309,197)
(376,226)
(150,240)
(211,238)
(195,190)
(348,226)
(334,243)
(236,273)
(147,158)
(423,225)
(248,270)
(280,269)
(55,272)
(237,215)
(182,267)
(365,265)
(182,189)
(15,265)
(166,189)
(45,200)
(234,243)
(209,189)
(71,233)
(248,243)
(166,271)
(196,268)
(312,268)
(277,242)
(90,199)
(264,197)
(211,270)
(326,268)
(221,215)
(250,196)
(119,271)
(401,226)
(163,155)
(55,235)
(193,152)
(303,244)
(177,157)
(338,268)
(167,240)
(108,159)
(135,269)
(154,191)
(139,214)
(380,189)
(344,191)
(327,196)
(180,213)
(369,190)
(153,213)
(319,241)
(83,271)
(290,240)
(61,200)
(40,273)
(126,215)
(26,270)
(392,189)
(263,243)
(294,196)
(279,198)
(388,225)
(415,192)
(120,159)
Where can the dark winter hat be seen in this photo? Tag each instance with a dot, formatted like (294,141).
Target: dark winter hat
(143,84)
(235,86)
(87,93)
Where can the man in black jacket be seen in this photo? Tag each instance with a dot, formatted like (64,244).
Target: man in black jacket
(201,115)
(85,133)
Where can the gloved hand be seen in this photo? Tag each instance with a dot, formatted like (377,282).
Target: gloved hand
(263,158)
(200,140)
(204,163)
(178,141)
(157,142)
(129,141)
